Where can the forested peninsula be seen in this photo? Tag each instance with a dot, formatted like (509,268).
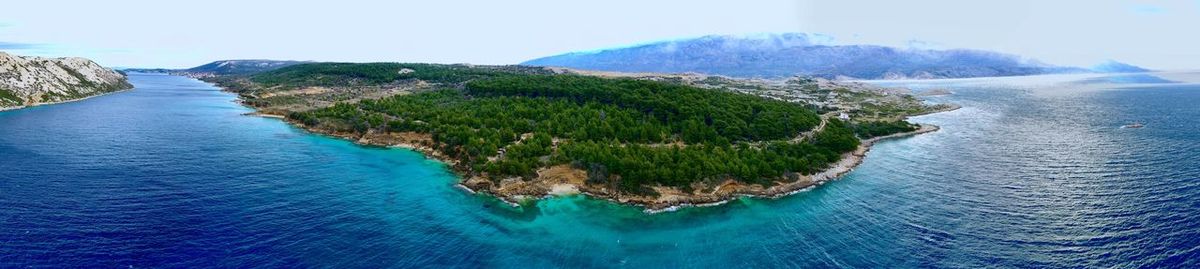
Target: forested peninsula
(659,141)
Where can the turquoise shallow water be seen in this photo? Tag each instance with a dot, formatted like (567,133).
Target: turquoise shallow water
(1032,172)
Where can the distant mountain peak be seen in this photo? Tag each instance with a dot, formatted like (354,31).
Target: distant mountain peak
(1113,66)
(228,67)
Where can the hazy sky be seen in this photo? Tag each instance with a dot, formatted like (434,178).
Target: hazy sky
(1156,34)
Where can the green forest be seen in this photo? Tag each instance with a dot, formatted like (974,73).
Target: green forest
(871,129)
(627,133)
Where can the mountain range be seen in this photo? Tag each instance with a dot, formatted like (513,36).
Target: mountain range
(785,55)
(763,56)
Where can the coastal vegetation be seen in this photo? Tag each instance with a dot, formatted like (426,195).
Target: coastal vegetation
(7,98)
(528,131)
(869,129)
(626,133)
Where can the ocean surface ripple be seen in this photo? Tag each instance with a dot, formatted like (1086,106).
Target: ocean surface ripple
(1029,173)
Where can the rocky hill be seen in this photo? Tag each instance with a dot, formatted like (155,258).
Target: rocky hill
(785,55)
(29,81)
(222,68)
(233,67)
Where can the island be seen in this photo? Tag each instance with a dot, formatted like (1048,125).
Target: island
(654,140)
(30,81)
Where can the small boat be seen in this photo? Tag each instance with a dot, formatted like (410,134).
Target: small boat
(1134,125)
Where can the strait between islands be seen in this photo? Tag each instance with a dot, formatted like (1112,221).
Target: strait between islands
(373,104)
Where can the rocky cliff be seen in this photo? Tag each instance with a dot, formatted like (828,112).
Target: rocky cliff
(29,81)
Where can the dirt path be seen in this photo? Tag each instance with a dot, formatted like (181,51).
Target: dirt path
(820,127)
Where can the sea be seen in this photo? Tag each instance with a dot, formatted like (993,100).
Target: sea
(1036,171)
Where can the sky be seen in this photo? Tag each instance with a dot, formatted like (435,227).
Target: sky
(178,34)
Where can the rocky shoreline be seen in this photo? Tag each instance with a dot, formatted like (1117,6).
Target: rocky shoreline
(847,164)
(664,203)
(945,108)
(3,108)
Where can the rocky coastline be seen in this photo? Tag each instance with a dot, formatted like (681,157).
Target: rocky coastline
(4,108)
(550,181)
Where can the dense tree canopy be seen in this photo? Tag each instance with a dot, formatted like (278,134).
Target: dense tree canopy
(627,133)
(869,129)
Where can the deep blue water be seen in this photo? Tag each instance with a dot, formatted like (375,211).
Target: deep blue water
(172,174)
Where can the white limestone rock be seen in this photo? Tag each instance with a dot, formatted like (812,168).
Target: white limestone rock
(29,81)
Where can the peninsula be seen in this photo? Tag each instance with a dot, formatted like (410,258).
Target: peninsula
(654,140)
